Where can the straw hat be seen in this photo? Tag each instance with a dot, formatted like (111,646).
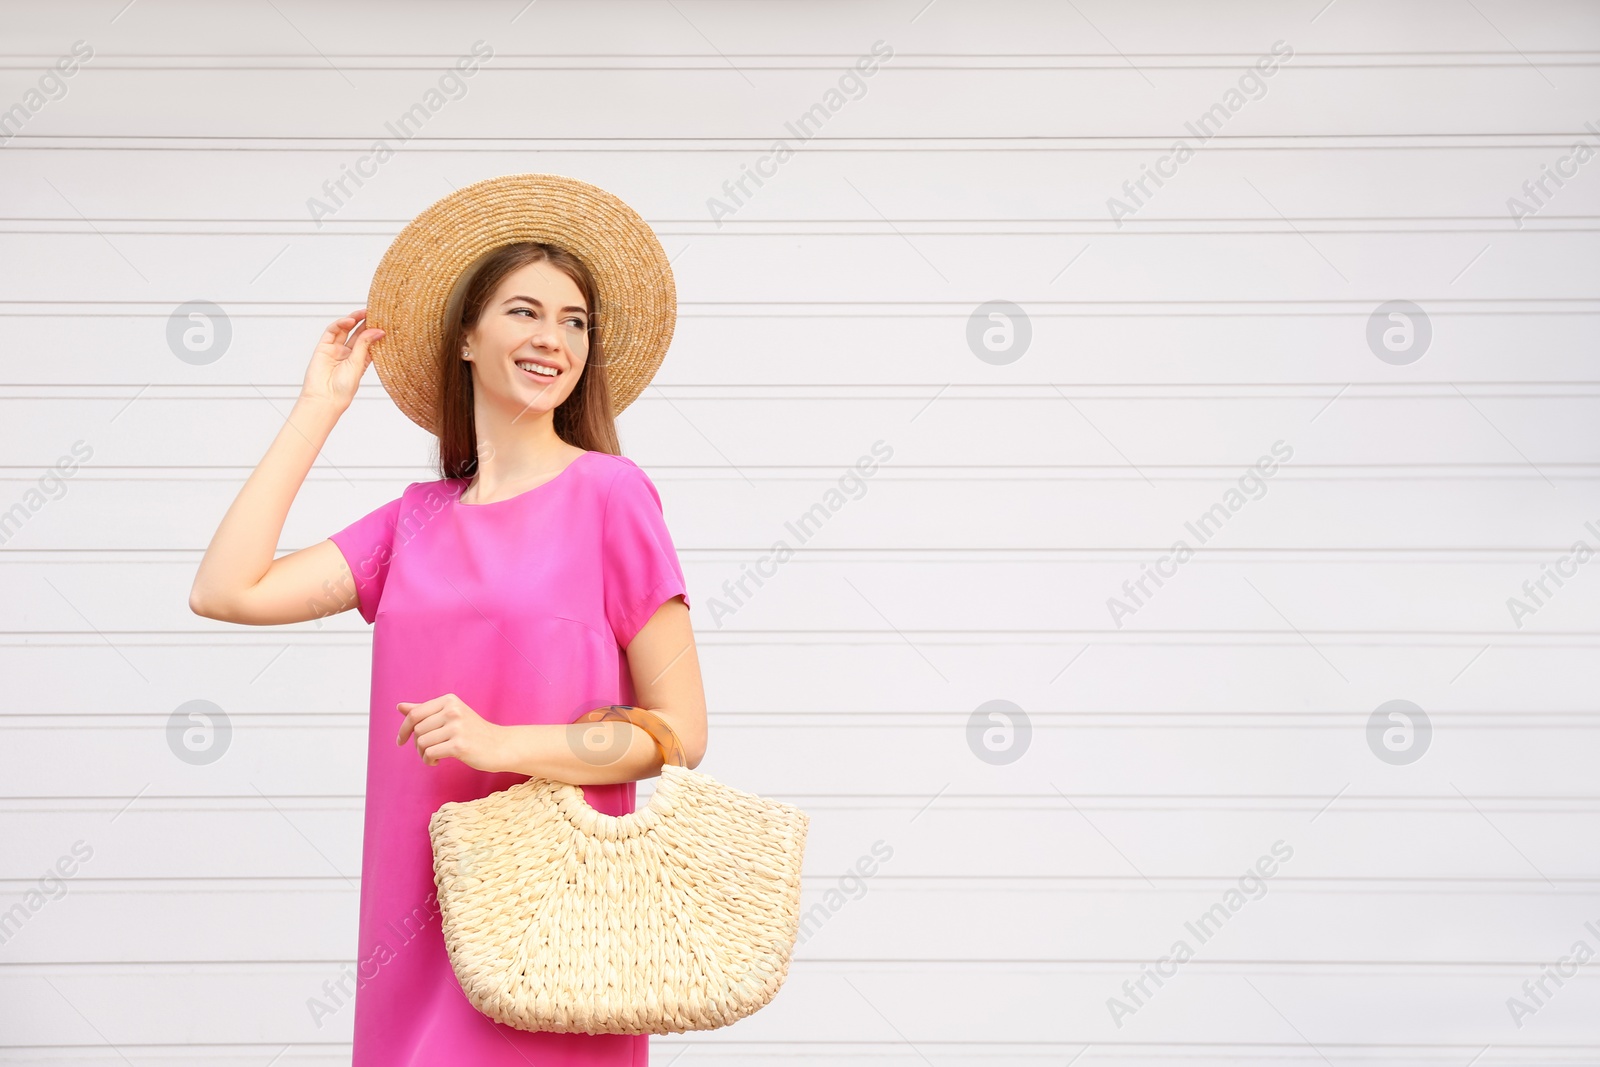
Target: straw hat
(638,301)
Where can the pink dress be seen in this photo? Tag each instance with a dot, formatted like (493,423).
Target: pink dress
(522,608)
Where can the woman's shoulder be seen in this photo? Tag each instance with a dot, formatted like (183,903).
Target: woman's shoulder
(435,485)
(433,493)
(613,467)
(612,461)
(621,486)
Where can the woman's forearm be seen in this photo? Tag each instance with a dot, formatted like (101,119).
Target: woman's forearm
(242,549)
(591,753)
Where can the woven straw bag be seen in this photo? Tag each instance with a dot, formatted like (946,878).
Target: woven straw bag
(680,916)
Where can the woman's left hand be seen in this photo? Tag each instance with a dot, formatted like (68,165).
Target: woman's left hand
(445,727)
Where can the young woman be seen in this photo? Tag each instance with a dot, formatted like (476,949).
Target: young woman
(533,581)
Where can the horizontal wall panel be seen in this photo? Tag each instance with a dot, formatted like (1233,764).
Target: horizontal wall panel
(907,513)
(313,756)
(911,102)
(1448,836)
(844,913)
(1313,351)
(266,671)
(1179,33)
(1048,184)
(1389,595)
(808,268)
(1204,1006)
(1027,426)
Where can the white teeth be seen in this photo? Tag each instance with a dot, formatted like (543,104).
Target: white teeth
(538,368)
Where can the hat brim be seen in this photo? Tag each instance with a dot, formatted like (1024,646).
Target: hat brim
(412,285)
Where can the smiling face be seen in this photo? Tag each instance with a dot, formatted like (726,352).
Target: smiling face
(530,344)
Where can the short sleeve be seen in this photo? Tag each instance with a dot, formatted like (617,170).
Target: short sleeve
(368,546)
(641,569)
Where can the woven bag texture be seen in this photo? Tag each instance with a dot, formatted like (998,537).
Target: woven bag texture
(680,916)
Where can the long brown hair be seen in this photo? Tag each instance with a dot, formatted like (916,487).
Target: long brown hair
(584,419)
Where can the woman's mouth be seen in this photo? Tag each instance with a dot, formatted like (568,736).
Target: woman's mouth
(538,371)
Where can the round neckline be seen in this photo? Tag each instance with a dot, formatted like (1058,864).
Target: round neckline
(518,496)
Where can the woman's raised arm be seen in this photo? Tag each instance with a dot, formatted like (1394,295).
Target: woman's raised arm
(238,580)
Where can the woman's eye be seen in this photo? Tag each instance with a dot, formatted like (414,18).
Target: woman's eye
(575,323)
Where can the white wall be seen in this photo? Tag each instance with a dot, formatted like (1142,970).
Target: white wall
(831,311)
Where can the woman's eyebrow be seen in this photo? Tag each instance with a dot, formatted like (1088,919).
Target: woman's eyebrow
(538,304)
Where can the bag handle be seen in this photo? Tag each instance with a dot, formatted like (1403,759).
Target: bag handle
(664,736)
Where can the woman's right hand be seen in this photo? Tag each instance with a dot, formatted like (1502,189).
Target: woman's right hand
(336,367)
